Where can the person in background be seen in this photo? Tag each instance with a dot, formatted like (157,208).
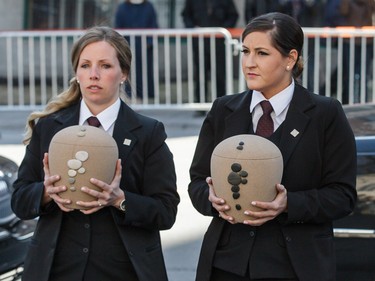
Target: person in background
(133,14)
(254,8)
(209,13)
(117,236)
(290,238)
(354,13)
(308,13)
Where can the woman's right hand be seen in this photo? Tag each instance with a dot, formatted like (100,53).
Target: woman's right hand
(51,192)
(218,203)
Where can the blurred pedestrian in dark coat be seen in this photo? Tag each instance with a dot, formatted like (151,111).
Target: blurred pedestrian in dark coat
(139,14)
(209,13)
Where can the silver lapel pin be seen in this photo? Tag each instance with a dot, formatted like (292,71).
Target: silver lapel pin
(127,142)
(294,133)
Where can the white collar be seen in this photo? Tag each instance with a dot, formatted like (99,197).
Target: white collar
(107,117)
(279,101)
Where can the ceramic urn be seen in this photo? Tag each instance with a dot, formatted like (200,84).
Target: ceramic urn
(78,153)
(245,168)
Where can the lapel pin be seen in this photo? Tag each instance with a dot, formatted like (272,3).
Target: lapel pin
(294,133)
(127,141)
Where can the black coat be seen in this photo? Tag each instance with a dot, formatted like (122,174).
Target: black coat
(148,179)
(319,175)
(222,13)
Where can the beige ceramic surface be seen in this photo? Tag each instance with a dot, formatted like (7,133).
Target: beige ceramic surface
(78,153)
(245,168)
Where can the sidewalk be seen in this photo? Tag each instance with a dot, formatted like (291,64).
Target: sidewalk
(181,243)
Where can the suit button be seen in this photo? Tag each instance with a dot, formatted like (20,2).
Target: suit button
(87,225)
(252,233)
(85,250)
(130,253)
(288,239)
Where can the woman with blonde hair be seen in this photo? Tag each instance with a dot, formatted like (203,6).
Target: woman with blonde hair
(116,235)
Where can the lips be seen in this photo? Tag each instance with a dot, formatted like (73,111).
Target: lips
(252,74)
(94,87)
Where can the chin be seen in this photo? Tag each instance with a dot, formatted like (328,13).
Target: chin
(252,86)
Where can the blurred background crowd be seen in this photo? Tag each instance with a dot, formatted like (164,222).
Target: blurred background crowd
(230,14)
(58,14)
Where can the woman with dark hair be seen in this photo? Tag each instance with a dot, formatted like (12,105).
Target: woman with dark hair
(117,234)
(290,238)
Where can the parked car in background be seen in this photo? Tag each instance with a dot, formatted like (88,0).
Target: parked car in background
(355,234)
(15,234)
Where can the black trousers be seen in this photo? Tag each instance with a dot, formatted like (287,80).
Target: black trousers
(221,275)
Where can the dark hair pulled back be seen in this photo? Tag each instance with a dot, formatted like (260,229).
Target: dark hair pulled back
(286,35)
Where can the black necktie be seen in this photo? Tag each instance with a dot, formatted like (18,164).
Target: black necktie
(93,121)
(265,123)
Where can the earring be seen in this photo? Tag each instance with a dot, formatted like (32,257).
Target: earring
(122,82)
(287,67)
(77,80)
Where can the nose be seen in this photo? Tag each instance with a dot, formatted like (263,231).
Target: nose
(94,74)
(249,61)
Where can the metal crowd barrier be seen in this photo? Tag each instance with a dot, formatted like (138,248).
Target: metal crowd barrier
(36,65)
(343,60)
(338,62)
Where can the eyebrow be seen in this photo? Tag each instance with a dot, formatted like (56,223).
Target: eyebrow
(256,49)
(101,60)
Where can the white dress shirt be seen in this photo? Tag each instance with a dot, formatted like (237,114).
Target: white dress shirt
(107,117)
(280,104)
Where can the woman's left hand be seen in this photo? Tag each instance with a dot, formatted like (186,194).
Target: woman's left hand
(269,210)
(108,196)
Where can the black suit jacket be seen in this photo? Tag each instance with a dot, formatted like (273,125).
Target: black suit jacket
(148,179)
(319,174)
